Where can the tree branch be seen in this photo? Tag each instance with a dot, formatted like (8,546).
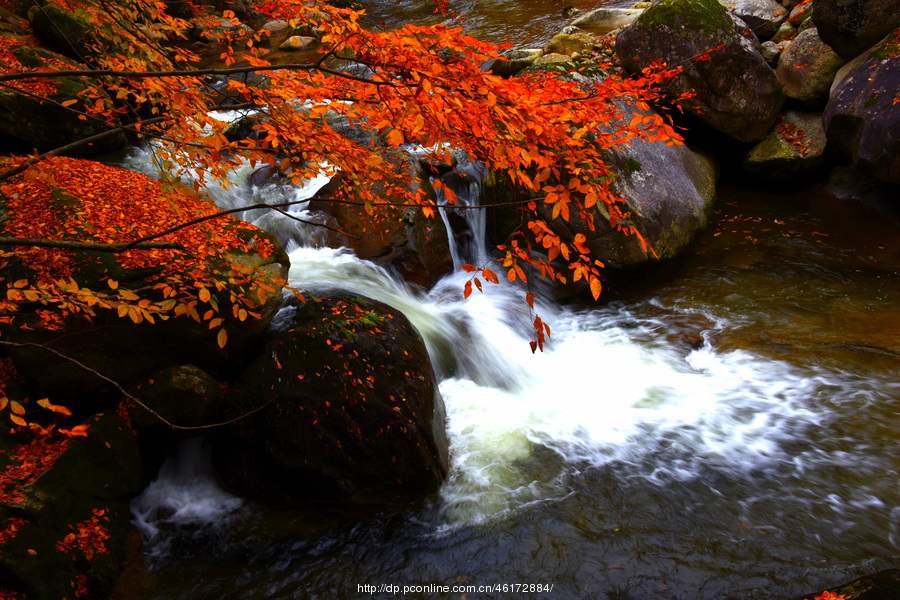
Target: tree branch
(119,388)
(95,247)
(190,73)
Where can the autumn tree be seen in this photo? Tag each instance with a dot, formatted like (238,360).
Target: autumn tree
(414,86)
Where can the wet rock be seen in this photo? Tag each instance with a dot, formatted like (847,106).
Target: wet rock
(862,118)
(298,42)
(737,92)
(65,32)
(604,20)
(353,408)
(515,61)
(94,477)
(879,586)
(670,191)
(404,240)
(851,27)
(796,144)
(762,16)
(26,124)
(570,44)
(807,69)
(184,395)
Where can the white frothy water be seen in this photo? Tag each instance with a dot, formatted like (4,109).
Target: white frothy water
(184,493)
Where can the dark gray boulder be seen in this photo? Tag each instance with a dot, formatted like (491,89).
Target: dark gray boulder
(737,92)
(863,116)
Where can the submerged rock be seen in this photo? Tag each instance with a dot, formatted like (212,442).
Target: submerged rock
(351,407)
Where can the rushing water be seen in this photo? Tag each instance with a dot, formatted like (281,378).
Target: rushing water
(724,428)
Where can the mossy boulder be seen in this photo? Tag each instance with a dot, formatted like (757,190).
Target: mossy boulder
(351,407)
(851,27)
(95,477)
(184,395)
(862,117)
(796,145)
(570,43)
(26,123)
(737,92)
(64,31)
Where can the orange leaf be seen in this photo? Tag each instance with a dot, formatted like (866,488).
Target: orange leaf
(54,407)
(19,421)
(468,290)
(595,287)
(16,407)
(222,338)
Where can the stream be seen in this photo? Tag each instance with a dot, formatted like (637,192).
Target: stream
(723,428)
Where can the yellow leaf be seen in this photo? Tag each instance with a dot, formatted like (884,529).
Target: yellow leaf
(113,284)
(204,295)
(16,407)
(18,420)
(222,338)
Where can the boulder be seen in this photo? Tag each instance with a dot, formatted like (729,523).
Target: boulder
(762,16)
(737,92)
(351,407)
(64,31)
(184,395)
(807,69)
(863,116)
(770,51)
(786,31)
(796,144)
(670,191)
(402,239)
(604,20)
(26,123)
(297,43)
(569,44)
(514,61)
(89,484)
(851,27)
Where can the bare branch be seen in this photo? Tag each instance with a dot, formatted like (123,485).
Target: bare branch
(95,247)
(119,388)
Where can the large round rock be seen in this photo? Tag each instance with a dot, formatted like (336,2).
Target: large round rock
(851,27)
(863,116)
(737,92)
(350,407)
